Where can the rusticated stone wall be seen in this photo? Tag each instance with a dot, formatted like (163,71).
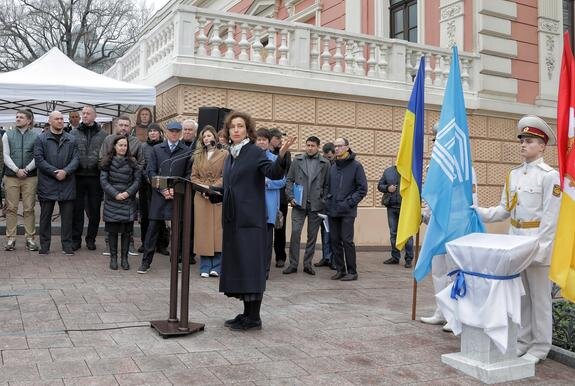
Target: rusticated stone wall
(374,132)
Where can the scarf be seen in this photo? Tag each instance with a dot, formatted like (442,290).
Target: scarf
(235,149)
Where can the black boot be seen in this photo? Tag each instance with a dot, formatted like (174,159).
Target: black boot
(125,250)
(113,242)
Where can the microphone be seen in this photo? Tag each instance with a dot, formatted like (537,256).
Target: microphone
(161,181)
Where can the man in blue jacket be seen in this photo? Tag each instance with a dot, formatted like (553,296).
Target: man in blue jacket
(347,187)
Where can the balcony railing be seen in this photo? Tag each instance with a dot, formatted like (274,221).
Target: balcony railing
(195,35)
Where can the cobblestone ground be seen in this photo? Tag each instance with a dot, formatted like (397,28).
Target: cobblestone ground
(316,331)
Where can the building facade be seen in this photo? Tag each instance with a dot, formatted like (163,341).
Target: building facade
(345,68)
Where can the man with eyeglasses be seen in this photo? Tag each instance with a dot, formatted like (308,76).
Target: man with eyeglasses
(347,187)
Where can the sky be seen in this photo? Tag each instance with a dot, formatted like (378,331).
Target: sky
(157,4)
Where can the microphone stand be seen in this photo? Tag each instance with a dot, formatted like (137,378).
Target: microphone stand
(172,326)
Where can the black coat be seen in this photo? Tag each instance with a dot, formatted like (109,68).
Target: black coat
(347,187)
(120,176)
(390,177)
(164,163)
(51,155)
(89,140)
(244,220)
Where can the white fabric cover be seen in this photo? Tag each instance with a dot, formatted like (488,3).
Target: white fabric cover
(55,77)
(488,303)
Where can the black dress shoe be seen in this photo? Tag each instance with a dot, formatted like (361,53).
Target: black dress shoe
(192,260)
(163,251)
(333,267)
(280,263)
(76,246)
(337,276)
(349,277)
(289,270)
(238,319)
(408,264)
(141,249)
(322,263)
(309,270)
(391,260)
(91,245)
(247,324)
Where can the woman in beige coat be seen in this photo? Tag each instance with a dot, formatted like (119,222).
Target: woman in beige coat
(207,170)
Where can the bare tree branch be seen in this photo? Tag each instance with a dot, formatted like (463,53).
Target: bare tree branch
(93,33)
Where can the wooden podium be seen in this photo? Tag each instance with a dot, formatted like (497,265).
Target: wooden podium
(182,200)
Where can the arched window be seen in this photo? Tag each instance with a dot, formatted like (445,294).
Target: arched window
(403,20)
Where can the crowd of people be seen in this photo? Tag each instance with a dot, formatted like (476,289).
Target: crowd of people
(247,178)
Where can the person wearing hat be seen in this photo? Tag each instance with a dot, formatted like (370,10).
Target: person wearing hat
(170,158)
(531,197)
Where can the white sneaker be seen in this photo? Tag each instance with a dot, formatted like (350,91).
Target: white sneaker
(106,253)
(531,358)
(204,274)
(214,274)
(432,319)
(447,328)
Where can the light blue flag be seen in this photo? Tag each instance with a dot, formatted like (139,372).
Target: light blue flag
(448,185)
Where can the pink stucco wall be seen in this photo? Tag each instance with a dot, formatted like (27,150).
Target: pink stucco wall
(525,68)
(432,22)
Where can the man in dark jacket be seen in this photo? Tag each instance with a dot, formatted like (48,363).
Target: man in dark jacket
(56,156)
(347,187)
(89,138)
(306,189)
(170,158)
(391,199)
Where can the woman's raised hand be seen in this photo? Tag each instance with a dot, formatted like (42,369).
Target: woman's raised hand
(286,145)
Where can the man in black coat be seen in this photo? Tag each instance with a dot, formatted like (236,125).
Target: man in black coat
(170,158)
(89,137)
(347,187)
(56,156)
(389,185)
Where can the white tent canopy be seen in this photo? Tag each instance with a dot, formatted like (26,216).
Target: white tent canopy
(54,81)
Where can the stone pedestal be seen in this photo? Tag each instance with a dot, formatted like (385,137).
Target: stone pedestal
(481,359)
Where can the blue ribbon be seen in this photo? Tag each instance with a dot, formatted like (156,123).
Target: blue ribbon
(459,288)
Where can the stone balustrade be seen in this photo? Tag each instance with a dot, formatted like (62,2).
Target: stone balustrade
(191,35)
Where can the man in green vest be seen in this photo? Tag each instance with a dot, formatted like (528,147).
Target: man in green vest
(20,178)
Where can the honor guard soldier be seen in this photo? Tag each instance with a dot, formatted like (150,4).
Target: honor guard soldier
(531,197)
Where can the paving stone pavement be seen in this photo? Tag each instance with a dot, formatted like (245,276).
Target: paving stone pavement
(316,331)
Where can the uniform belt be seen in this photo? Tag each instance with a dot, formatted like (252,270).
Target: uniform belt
(525,224)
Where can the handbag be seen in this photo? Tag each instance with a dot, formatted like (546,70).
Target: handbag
(279,224)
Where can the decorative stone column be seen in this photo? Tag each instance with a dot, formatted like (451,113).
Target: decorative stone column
(451,23)
(550,23)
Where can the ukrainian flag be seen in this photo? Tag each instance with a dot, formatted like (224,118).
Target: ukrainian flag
(410,162)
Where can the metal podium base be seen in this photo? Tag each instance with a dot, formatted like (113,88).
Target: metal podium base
(167,329)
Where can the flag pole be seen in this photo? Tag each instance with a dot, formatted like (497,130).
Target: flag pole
(414,292)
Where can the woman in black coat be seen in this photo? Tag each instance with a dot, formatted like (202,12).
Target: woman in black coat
(120,179)
(243,271)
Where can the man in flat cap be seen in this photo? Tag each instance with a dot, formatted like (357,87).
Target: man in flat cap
(531,197)
(170,158)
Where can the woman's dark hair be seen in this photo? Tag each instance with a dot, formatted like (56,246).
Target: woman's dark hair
(139,119)
(107,160)
(264,133)
(248,120)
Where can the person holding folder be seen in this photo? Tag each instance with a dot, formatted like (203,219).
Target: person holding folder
(306,190)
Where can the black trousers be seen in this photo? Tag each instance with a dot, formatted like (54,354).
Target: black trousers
(280,237)
(145,199)
(341,236)
(89,199)
(66,215)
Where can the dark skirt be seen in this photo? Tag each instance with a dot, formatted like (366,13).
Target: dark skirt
(246,297)
(119,227)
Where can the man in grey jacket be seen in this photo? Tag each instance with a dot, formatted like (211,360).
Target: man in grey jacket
(306,189)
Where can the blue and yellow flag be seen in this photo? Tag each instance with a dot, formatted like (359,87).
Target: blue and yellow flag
(448,185)
(410,162)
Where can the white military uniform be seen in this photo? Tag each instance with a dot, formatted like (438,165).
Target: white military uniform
(439,269)
(531,197)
